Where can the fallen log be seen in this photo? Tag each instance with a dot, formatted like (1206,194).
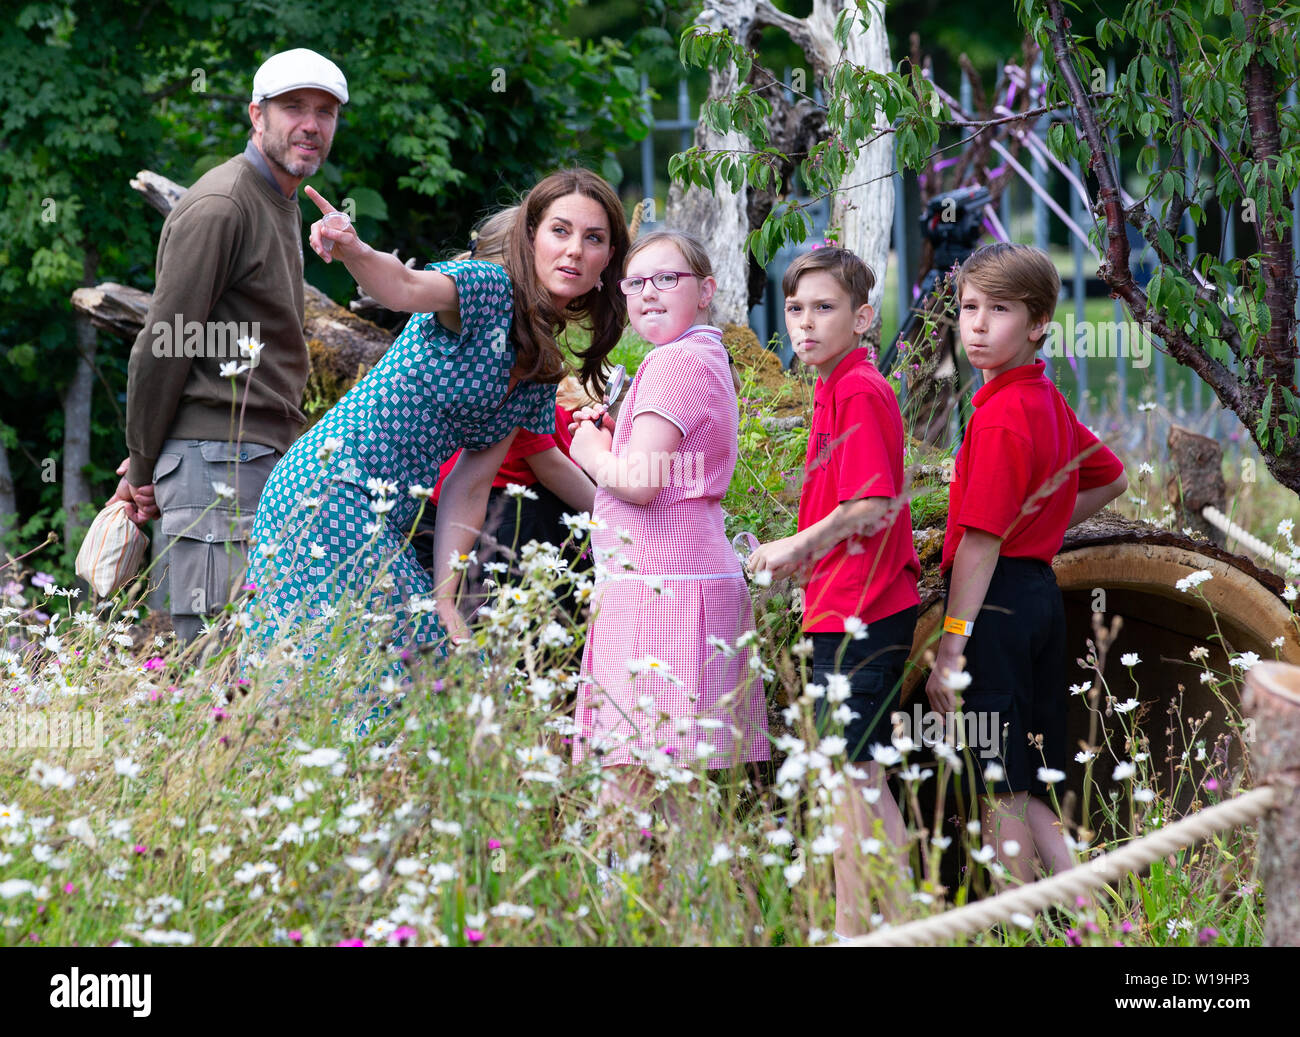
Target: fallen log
(114,307)
(158,191)
(341,345)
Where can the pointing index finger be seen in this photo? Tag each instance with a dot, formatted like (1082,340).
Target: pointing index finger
(320,202)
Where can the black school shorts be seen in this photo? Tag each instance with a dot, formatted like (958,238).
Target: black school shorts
(874,666)
(1016,660)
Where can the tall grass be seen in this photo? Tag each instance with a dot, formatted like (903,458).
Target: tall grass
(350,795)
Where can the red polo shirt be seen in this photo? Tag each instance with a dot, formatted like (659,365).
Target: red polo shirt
(514,469)
(1022,463)
(855,450)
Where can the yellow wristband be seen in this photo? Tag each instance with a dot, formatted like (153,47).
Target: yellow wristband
(957,626)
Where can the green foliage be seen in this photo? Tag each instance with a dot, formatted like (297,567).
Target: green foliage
(1178,104)
(455,108)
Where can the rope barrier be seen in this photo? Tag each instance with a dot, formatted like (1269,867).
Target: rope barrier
(1249,541)
(1058,889)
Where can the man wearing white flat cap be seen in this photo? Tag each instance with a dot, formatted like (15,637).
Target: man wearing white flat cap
(230,256)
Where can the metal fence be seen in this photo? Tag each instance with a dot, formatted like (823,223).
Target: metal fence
(1190,402)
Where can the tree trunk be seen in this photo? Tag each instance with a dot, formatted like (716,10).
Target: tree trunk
(76,421)
(862,209)
(720,217)
(1267,368)
(8,502)
(1196,480)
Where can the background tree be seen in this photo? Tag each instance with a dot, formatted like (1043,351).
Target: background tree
(1206,100)
(455,107)
(1199,100)
(750,134)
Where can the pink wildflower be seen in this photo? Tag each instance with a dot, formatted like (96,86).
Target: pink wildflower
(402,934)
(295,936)
(154,663)
(69,888)
(140,848)
(473,935)
(354,942)
(494,844)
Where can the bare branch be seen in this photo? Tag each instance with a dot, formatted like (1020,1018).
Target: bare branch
(1177,160)
(1114,268)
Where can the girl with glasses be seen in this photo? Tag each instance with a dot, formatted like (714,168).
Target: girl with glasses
(665,682)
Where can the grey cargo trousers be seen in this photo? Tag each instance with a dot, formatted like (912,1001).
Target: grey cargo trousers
(208,530)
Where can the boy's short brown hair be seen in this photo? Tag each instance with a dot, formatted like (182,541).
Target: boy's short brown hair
(853,275)
(1017,272)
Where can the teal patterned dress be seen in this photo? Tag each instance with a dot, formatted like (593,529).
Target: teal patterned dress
(326,528)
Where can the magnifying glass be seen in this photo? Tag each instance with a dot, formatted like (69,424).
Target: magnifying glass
(613,389)
(744,544)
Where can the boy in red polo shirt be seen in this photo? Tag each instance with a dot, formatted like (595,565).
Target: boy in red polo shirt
(1026,471)
(854,542)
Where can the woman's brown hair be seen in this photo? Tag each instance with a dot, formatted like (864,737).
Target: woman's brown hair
(537,320)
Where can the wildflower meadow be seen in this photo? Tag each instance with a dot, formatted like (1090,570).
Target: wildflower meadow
(351,794)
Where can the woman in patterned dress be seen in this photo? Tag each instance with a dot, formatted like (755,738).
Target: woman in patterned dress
(476,361)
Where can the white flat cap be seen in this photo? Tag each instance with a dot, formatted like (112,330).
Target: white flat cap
(296,70)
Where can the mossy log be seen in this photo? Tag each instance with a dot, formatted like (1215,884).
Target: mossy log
(341,345)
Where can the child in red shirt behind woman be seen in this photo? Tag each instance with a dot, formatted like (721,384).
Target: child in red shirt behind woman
(855,546)
(1026,471)
(553,487)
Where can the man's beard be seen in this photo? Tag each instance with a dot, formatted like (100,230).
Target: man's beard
(275,146)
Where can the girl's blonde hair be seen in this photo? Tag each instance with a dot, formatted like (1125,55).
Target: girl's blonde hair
(691,248)
(491,238)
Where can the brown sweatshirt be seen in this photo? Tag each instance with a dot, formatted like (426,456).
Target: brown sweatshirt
(229,265)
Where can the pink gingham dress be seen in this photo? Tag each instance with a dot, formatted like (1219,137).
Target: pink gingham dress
(660,597)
